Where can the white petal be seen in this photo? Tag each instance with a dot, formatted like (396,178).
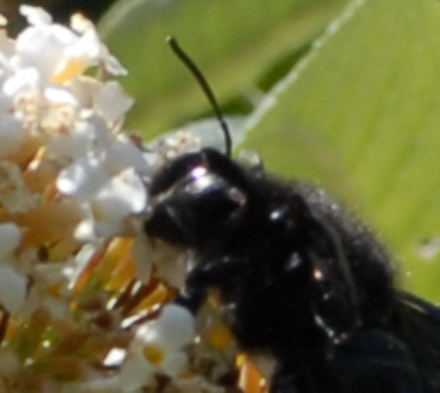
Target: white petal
(112,101)
(135,372)
(174,329)
(177,325)
(124,154)
(80,24)
(35,15)
(12,289)
(101,134)
(12,135)
(10,237)
(175,364)
(148,333)
(6,44)
(74,145)
(83,178)
(60,96)
(85,89)
(111,63)
(52,40)
(115,357)
(27,78)
(86,47)
(125,193)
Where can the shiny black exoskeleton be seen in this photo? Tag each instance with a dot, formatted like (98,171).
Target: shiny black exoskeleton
(302,280)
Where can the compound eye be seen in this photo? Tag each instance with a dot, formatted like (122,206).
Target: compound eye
(213,197)
(175,171)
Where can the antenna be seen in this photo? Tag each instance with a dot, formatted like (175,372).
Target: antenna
(172,42)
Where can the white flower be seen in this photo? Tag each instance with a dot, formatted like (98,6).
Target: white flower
(66,52)
(78,118)
(42,37)
(70,181)
(159,346)
(122,195)
(107,199)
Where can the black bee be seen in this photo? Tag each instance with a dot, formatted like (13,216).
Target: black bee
(300,278)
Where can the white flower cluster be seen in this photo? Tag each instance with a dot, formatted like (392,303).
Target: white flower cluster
(46,96)
(62,153)
(71,184)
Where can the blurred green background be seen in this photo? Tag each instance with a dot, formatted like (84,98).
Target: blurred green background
(344,93)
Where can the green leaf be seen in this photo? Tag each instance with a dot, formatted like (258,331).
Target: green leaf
(360,115)
(233,41)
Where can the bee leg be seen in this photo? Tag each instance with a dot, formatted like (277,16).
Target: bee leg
(374,360)
(209,274)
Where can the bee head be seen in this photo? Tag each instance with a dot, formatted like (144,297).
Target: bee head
(195,198)
(198,195)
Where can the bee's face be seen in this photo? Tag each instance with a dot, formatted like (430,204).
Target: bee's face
(194,203)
